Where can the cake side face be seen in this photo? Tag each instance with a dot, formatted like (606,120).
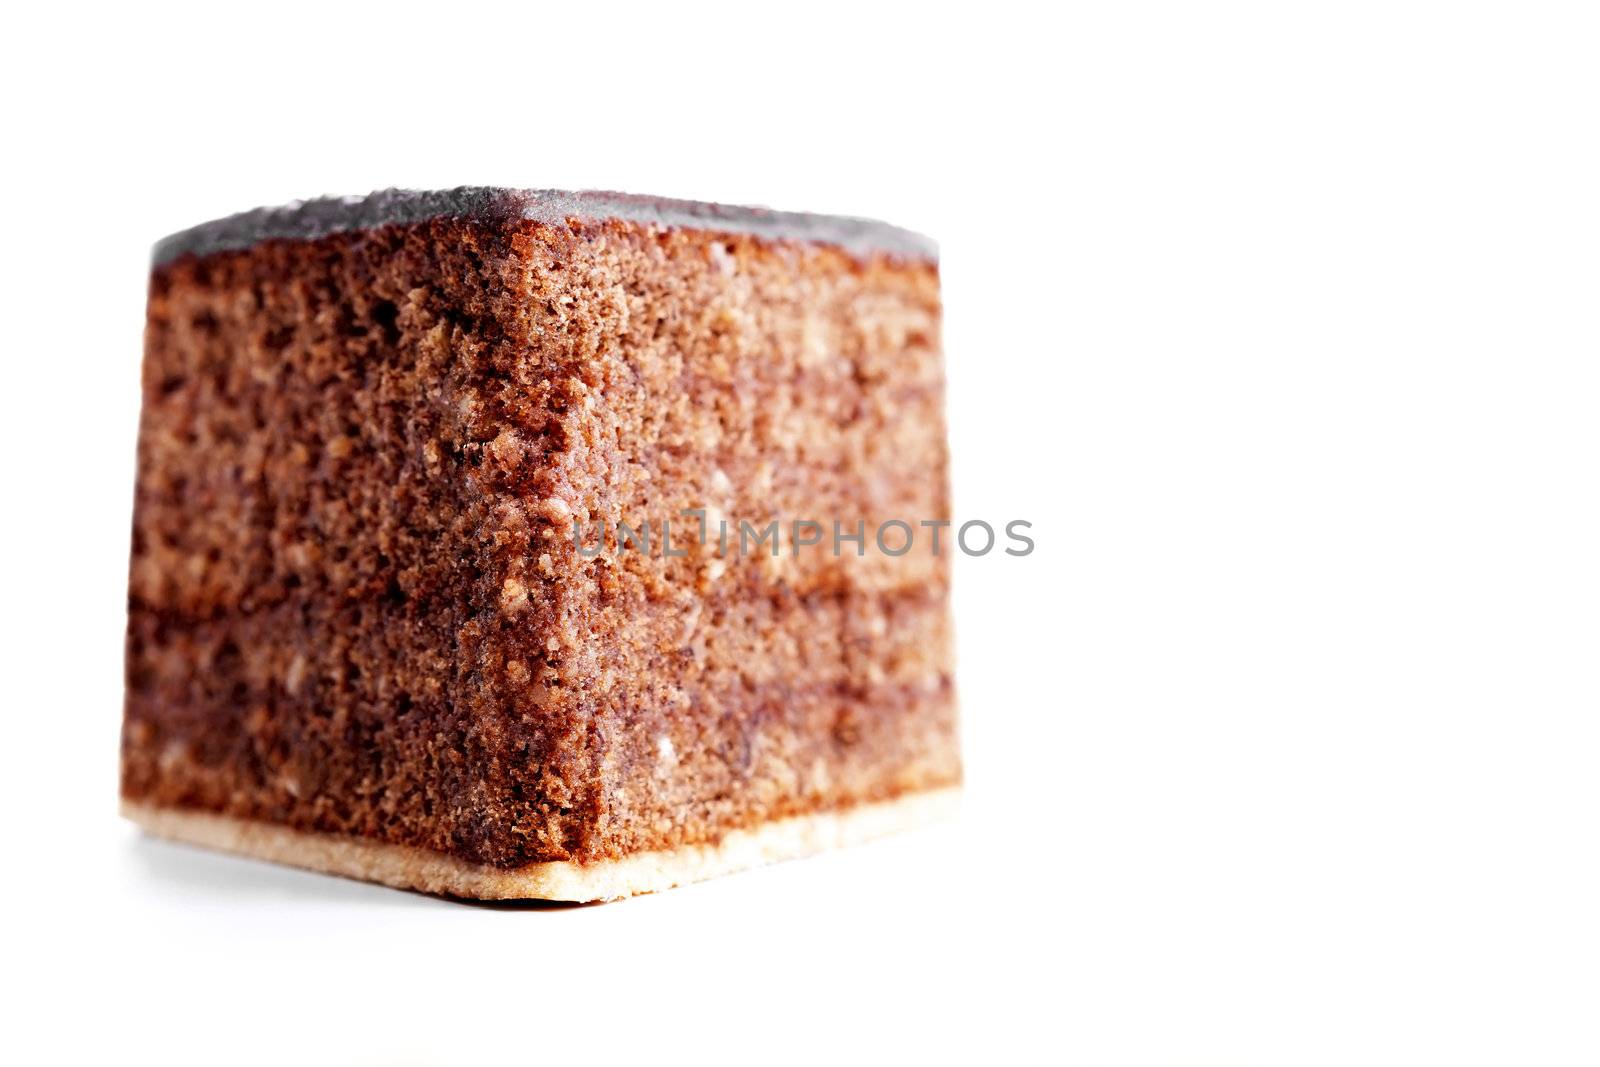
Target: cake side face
(722,388)
(313,552)
(370,462)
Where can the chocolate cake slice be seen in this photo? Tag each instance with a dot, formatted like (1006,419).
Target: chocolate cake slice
(507,543)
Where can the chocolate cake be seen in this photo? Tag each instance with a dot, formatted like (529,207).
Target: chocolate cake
(506,543)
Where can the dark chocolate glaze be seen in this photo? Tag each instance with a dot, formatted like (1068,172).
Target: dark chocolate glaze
(310,219)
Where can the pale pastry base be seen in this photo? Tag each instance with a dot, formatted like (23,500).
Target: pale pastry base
(645,872)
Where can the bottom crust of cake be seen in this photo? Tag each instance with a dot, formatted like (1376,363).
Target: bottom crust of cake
(406,867)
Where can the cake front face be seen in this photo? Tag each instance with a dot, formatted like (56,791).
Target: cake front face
(529,544)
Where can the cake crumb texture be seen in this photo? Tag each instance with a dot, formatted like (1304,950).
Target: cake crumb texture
(356,608)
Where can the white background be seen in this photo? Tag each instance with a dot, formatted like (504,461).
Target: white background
(1280,323)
